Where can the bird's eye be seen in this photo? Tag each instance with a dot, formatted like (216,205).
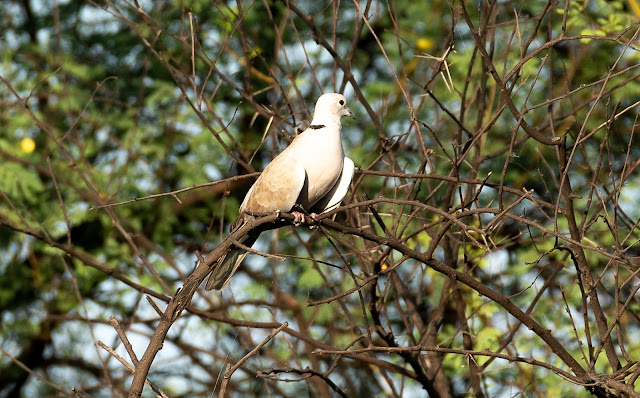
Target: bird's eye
(341,102)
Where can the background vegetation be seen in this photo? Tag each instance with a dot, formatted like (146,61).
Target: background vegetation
(488,246)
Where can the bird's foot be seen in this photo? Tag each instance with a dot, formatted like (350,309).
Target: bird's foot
(313,225)
(298,218)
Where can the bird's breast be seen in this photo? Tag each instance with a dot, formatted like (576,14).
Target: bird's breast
(323,161)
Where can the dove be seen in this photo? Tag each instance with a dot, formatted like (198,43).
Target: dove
(312,173)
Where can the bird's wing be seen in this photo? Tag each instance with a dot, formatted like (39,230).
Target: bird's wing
(334,197)
(277,188)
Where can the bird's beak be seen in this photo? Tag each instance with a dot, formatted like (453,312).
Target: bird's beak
(349,113)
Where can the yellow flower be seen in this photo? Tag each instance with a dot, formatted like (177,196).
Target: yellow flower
(27,145)
(424,44)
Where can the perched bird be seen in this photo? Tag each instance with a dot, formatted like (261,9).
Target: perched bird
(312,173)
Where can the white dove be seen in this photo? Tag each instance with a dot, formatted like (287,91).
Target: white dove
(312,172)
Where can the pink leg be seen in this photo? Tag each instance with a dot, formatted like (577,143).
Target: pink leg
(299,218)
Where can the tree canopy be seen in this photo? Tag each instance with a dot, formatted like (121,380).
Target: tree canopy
(488,245)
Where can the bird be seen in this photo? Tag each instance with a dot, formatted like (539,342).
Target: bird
(312,174)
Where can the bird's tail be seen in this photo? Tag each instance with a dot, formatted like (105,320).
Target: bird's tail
(228,265)
(225,269)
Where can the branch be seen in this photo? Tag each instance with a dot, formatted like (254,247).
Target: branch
(179,191)
(504,91)
(545,334)
(308,371)
(183,296)
(229,372)
(127,365)
(445,350)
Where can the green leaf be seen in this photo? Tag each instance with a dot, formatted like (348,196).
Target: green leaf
(19,182)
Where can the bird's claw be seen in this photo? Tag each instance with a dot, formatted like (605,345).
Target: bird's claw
(298,218)
(313,218)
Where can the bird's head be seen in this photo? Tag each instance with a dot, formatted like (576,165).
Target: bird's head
(332,106)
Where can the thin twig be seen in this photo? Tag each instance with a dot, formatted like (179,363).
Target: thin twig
(231,369)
